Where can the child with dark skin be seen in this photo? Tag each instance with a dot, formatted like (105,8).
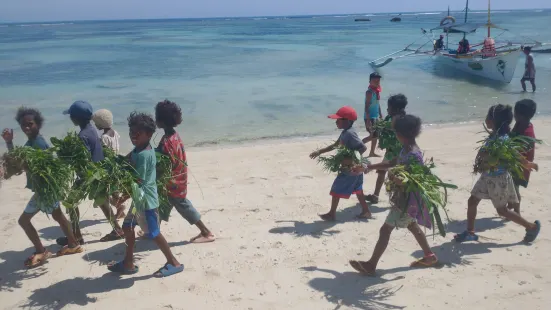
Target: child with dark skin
(498,186)
(372,110)
(144,211)
(31,122)
(168,115)
(524,111)
(407,128)
(346,183)
(396,107)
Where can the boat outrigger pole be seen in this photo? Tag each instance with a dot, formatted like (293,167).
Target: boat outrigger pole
(489,21)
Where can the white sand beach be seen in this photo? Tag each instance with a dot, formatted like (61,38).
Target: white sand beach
(273,252)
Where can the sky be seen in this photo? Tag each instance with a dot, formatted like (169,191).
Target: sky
(63,10)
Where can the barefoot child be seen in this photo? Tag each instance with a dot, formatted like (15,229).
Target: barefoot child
(346,183)
(407,128)
(103,119)
(396,107)
(524,111)
(144,210)
(167,116)
(372,110)
(497,185)
(31,122)
(81,115)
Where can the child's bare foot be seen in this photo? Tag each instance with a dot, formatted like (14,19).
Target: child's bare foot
(365,268)
(427,261)
(328,217)
(364,215)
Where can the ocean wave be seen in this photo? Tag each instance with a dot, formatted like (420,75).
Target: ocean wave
(43,25)
(493,12)
(422,13)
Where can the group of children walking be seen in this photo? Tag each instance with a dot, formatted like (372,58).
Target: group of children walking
(498,186)
(143,212)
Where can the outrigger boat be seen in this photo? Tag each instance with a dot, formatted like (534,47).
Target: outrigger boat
(491,59)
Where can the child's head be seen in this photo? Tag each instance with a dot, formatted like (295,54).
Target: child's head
(168,114)
(397,104)
(344,117)
(499,119)
(30,120)
(407,128)
(374,79)
(103,119)
(141,127)
(525,109)
(80,113)
(527,50)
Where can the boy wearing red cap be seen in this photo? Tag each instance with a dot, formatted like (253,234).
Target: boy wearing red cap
(346,183)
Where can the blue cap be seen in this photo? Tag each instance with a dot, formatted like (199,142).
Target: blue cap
(80,109)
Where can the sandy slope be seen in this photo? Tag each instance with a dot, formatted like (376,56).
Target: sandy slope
(273,252)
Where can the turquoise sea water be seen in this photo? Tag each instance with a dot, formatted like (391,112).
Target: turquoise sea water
(247,78)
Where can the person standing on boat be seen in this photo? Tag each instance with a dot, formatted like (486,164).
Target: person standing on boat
(439,44)
(529,70)
(464,46)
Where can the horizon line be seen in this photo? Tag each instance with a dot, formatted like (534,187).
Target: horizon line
(251,16)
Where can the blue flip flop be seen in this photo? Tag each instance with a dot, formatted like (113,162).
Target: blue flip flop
(465,236)
(119,268)
(531,235)
(168,270)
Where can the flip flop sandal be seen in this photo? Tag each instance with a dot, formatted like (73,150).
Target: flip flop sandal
(531,235)
(112,236)
(119,268)
(34,261)
(168,270)
(68,251)
(465,236)
(364,217)
(359,268)
(202,239)
(372,198)
(63,241)
(420,263)
(326,217)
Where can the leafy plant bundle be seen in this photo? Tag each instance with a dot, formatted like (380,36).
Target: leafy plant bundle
(387,137)
(418,183)
(343,160)
(10,166)
(72,150)
(49,176)
(164,175)
(496,153)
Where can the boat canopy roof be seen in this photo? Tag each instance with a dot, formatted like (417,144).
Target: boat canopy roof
(465,28)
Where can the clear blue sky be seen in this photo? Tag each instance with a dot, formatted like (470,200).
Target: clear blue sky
(55,10)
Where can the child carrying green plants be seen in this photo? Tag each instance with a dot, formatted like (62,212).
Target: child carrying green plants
(347,182)
(168,115)
(407,128)
(496,160)
(524,111)
(387,140)
(145,201)
(31,121)
(81,113)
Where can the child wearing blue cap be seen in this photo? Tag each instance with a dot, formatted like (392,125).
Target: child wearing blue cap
(81,115)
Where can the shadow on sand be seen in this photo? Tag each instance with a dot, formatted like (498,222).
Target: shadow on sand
(319,228)
(349,289)
(13,272)
(54,232)
(116,251)
(483,224)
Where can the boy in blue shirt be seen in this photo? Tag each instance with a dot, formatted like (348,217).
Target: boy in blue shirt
(144,211)
(31,121)
(372,110)
(81,115)
(346,183)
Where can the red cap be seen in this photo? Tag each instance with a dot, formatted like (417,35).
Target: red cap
(345,112)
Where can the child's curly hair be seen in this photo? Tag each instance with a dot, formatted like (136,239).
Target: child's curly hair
(24,111)
(408,126)
(168,113)
(397,103)
(142,121)
(526,108)
(502,116)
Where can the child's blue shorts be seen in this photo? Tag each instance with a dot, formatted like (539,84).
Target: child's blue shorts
(345,185)
(148,220)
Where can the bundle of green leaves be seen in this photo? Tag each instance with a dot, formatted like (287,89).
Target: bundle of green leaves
(10,166)
(49,176)
(72,150)
(343,160)
(387,137)
(164,174)
(420,183)
(504,152)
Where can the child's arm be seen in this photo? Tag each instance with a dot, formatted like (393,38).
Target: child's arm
(368,96)
(329,148)
(368,139)
(380,112)
(528,164)
(7,134)
(381,166)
